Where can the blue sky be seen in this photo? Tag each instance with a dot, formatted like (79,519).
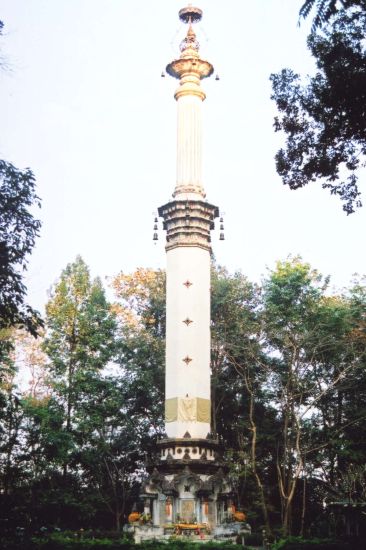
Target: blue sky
(83,105)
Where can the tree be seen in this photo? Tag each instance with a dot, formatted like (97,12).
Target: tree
(241,415)
(80,338)
(78,427)
(299,358)
(289,387)
(310,337)
(109,449)
(73,428)
(325,9)
(234,302)
(10,443)
(140,310)
(324,120)
(18,232)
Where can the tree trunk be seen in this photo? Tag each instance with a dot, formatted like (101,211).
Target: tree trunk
(12,433)
(118,520)
(254,459)
(243,371)
(303,508)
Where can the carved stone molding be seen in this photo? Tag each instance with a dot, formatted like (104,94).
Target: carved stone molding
(188,223)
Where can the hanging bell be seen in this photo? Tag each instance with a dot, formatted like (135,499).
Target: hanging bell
(155,237)
(155,226)
(221,226)
(162,74)
(221,220)
(217,77)
(156,220)
(222,237)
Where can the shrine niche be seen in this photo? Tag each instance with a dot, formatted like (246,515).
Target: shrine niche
(187,511)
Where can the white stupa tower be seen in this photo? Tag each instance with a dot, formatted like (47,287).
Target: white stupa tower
(188,487)
(188,220)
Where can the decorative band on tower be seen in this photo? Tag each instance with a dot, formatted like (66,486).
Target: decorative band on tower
(188,223)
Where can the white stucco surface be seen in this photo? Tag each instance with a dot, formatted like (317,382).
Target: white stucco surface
(195,429)
(193,341)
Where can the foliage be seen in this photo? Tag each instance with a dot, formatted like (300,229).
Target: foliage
(234,304)
(299,543)
(79,540)
(325,9)
(79,338)
(254,539)
(272,348)
(140,310)
(18,232)
(324,120)
(300,375)
(288,391)
(89,540)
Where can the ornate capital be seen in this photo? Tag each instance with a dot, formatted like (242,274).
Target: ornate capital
(188,223)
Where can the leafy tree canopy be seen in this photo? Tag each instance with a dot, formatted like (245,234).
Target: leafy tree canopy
(18,232)
(288,396)
(325,9)
(324,119)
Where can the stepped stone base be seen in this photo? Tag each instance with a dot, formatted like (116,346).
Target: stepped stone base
(229,532)
(189,497)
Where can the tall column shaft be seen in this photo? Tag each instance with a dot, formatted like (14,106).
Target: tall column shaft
(188,342)
(188,480)
(188,221)
(189,146)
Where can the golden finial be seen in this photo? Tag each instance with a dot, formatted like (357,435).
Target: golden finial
(190,64)
(190,14)
(190,42)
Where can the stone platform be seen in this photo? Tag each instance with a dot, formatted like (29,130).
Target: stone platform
(197,534)
(188,494)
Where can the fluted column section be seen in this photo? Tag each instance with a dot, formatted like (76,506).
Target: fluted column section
(189,147)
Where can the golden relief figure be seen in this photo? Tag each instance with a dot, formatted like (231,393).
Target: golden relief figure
(188,409)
